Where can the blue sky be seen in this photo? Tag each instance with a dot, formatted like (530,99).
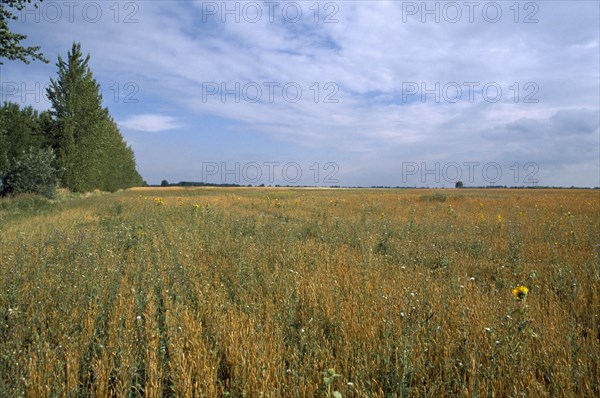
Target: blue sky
(337,92)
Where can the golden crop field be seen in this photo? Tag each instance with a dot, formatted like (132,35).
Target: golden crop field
(301,293)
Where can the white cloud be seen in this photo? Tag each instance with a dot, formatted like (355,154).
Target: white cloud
(149,123)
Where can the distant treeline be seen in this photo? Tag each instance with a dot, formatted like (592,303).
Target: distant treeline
(76,144)
(195,184)
(206,184)
(164,183)
(481,187)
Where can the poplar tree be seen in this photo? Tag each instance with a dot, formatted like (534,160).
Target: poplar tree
(91,150)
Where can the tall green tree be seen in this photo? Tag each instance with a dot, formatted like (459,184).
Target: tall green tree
(88,144)
(121,170)
(26,162)
(21,129)
(10,42)
(77,111)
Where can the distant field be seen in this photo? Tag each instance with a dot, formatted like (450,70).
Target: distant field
(242,292)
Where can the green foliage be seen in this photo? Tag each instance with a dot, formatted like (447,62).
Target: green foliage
(90,150)
(10,47)
(22,139)
(329,377)
(32,172)
(21,129)
(90,147)
(459,184)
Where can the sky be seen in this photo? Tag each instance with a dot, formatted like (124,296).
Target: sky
(350,93)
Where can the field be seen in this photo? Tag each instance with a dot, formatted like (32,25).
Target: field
(301,293)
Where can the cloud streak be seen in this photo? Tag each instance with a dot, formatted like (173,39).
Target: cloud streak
(149,123)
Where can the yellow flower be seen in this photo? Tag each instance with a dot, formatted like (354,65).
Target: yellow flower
(499,217)
(520,292)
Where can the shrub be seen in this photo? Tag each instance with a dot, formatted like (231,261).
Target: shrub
(32,172)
